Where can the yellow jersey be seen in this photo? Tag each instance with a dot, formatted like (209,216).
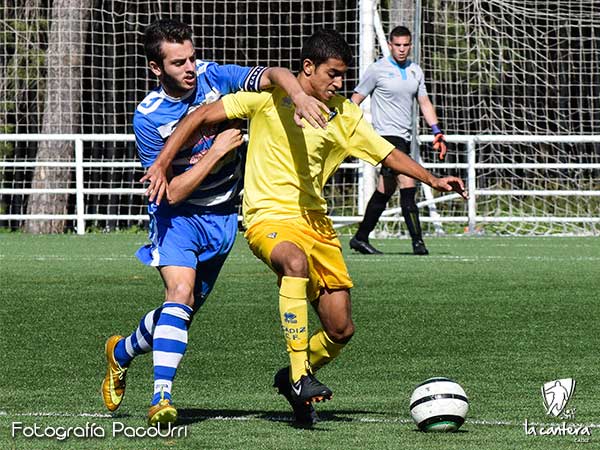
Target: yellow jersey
(287,166)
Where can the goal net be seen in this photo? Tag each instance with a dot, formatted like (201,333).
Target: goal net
(516,67)
(501,68)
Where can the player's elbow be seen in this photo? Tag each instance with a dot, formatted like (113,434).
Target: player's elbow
(174,197)
(209,114)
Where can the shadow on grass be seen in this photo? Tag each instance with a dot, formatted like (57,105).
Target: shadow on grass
(187,416)
(410,253)
(399,253)
(459,431)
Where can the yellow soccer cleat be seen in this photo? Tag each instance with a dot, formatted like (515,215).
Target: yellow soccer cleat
(163,413)
(113,386)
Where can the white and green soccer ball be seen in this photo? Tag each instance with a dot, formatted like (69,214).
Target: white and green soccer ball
(439,405)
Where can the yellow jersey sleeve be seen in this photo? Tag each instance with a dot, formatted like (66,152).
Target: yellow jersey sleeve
(244,104)
(366,144)
(286,165)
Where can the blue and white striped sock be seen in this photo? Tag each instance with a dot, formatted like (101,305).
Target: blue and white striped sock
(138,342)
(170,342)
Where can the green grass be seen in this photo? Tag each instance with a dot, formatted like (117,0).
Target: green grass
(501,316)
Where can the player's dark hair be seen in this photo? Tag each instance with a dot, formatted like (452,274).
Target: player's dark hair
(325,44)
(400,31)
(164,30)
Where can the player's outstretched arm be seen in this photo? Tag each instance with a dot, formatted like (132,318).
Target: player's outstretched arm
(181,186)
(439,140)
(157,172)
(307,107)
(402,163)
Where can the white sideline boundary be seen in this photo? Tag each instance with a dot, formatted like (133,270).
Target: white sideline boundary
(356,256)
(279,418)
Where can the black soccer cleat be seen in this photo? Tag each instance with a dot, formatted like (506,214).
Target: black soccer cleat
(308,389)
(304,414)
(363,247)
(419,248)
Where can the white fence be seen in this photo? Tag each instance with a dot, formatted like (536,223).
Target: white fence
(469,169)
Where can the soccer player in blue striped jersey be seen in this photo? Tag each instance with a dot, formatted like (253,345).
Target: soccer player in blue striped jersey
(192,232)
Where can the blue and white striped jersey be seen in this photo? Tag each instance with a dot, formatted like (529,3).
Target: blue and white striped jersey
(157,116)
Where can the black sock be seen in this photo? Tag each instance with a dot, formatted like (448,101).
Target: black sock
(410,212)
(375,208)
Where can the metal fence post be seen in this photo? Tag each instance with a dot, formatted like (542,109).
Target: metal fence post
(80,202)
(367,175)
(471,186)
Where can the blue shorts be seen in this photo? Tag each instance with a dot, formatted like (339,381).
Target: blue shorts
(199,241)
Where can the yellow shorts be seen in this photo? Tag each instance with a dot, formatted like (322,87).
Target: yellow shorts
(315,235)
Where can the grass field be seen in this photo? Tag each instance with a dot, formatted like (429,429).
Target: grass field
(502,316)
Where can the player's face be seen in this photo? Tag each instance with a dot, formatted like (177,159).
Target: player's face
(178,72)
(325,79)
(400,47)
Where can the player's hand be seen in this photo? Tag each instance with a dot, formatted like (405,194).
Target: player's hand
(227,140)
(439,144)
(311,109)
(157,176)
(449,184)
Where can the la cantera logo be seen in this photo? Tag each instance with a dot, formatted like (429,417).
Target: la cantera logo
(556,395)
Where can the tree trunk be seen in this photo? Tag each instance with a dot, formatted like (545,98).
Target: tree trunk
(21,79)
(70,19)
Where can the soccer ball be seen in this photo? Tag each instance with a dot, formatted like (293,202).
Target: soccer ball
(439,404)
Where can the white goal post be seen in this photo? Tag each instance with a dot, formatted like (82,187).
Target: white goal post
(515,85)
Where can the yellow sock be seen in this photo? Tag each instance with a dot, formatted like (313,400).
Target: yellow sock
(293,312)
(322,349)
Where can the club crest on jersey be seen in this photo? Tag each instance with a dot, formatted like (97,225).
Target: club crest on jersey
(289,317)
(272,235)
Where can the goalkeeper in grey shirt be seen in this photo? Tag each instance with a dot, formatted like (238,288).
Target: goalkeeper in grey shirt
(393,83)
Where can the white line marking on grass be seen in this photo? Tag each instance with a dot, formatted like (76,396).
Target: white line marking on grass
(484,258)
(43,258)
(245,418)
(57,414)
(511,258)
(497,423)
(228,418)
(278,418)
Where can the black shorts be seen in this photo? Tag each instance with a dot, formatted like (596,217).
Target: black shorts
(401,144)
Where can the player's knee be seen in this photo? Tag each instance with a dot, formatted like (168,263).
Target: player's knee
(181,292)
(407,198)
(296,266)
(342,333)
(289,260)
(382,198)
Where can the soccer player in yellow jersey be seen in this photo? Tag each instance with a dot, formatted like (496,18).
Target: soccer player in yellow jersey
(285,212)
